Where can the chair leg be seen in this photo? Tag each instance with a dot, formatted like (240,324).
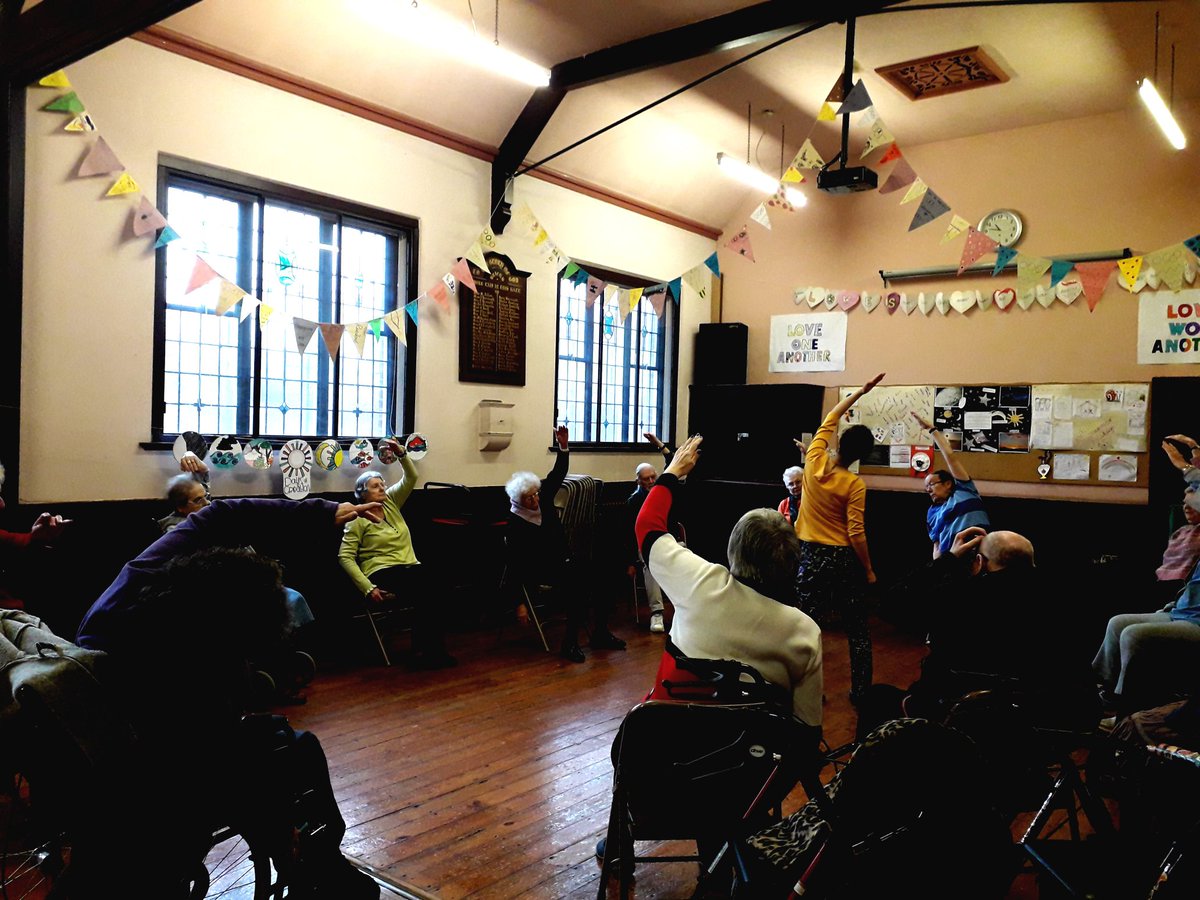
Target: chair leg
(379,640)
(533,615)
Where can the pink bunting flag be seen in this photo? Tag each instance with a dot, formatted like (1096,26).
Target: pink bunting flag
(977,245)
(902,176)
(595,289)
(100,160)
(740,244)
(1094,277)
(438,293)
(147,219)
(202,274)
(462,271)
(659,301)
(331,333)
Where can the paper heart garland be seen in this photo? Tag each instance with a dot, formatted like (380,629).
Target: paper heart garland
(1189,274)
(908,304)
(1152,279)
(816,296)
(1044,295)
(870,301)
(831,300)
(962,300)
(892,302)
(941,304)
(1068,291)
(847,300)
(1138,283)
(799,295)
(1026,299)
(984,301)
(924,304)
(1004,298)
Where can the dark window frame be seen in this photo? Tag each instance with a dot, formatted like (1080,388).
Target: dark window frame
(240,187)
(668,353)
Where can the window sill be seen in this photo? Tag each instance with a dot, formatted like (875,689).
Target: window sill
(168,441)
(595,447)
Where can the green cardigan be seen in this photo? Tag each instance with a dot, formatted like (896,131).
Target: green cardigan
(370,546)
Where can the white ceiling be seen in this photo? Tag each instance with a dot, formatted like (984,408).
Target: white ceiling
(1064,61)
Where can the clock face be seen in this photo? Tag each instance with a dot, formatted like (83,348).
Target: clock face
(1003,226)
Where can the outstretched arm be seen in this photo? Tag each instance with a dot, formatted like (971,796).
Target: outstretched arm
(953,463)
(842,408)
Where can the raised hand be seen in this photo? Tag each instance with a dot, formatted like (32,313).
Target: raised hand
(560,436)
(685,457)
(348,512)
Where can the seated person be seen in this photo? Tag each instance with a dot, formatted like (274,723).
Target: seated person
(793,480)
(954,503)
(46,528)
(377,553)
(1183,550)
(178,666)
(538,552)
(645,475)
(743,612)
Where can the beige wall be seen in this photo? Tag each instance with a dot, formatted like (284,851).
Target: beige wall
(89,287)
(1082,185)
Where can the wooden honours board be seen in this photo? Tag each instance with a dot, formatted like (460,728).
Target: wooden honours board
(491,332)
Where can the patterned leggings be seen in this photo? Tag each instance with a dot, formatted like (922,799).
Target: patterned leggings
(831,578)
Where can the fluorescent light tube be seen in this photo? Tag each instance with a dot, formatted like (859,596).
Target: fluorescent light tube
(757,179)
(1161,114)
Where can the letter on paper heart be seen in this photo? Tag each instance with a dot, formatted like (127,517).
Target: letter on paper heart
(799,295)
(941,303)
(1004,297)
(847,300)
(962,300)
(831,300)
(892,301)
(1068,291)
(908,304)
(816,296)
(870,301)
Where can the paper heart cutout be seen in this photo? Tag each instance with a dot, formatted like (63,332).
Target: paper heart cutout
(924,304)
(816,296)
(1152,279)
(870,301)
(1044,295)
(831,300)
(1138,283)
(984,300)
(1189,273)
(962,300)
(892,301)
(1025,299)
(1068,291)
(847,300)
(799,295)
(1043,470)
(1004,297)
(908,304)
(941,304)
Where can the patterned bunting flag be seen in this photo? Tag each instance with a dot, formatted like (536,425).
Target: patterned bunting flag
(331,333)
(202,274)
(915,190)
(1029,270)
(100,160)
(877,138)
(902,176)
(780,200)
(893,152)
(610,293)
(837,93)
(487,238)
(462,272)
(792,176)
(146,218)
(1059,269)
(67,103)
(807,156)
(395,324)
(439,295)
(168,234)
(358,334)
(124,185)
(411,308)
(264,314)
(229,295)
(81,123)
(540,237)
(931,207)
(475,255)
(857,99)
(958,226)
(977,244)
(760,216)
(1130,267)
(1004,255)
(826,113)
(305,330)
(55,80)
(635,296)
(1168,263)
(1094,277)
(740,243)
(1193,244)
(698,279)
(595,289)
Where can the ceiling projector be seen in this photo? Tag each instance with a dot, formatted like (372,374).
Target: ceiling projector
(847,181)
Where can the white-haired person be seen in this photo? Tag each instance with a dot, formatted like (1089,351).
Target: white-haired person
(538,552)
(377,553)
(793,480)
(645,474)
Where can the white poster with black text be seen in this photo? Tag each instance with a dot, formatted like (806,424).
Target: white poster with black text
(813,342)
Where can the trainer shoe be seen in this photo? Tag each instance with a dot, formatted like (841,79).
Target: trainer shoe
(656,623)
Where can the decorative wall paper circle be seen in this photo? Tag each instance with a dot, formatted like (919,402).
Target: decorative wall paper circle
(189,440)
(417,445)
(259,454)
(386,454)
(226,452)
(329,455)
(362,453)
(296,462)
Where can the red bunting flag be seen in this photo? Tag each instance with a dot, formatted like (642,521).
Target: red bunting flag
(892,153)
(438,293)
(977,245)
(1094,277)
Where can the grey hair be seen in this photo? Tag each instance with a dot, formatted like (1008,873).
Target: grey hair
(177,488)
(360,483)
(763,549)
(638,471)
(791,472)
(520,484)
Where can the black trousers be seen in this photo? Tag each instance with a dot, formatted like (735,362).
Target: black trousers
(571,584)
(412,588)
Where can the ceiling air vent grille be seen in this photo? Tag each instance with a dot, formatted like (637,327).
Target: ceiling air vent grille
(944,73)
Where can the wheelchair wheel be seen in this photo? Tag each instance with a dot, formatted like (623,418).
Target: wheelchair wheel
(304,668)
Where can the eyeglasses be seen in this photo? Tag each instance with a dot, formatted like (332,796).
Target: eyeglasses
(202,500)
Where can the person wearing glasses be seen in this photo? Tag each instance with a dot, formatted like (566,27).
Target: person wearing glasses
(187,492)
(954,501)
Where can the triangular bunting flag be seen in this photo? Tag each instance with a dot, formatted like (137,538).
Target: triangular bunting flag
(377,328)
(792,176)
(780,199)
(869,117)
(462,272)
(570,270)
(100,160)
(893,152)
(902,176)
(438,293)
(658,300)
(202,274)
(55,80)
(358,334)
(81,123)
(1193,244)
(579,277)
(411,309)
(610,293)
(977,244)
(331,332)
(958,225)
(826,113)
(807,157)
(264,314)
(1029,270)
(1130,268)
(713,265)
(168,234)
(931,207)
(124,185)
(487,239)
(857,99)
(304,333)
(635,296)
(475,255)
(395,324)
(1059,269)
(1004,255)
(249,304)
(146,218)
(698,279)
(877,138)
(623,306)
(837,93)
(1169,263)
(915,190)
(67,103)
(229,295)
(740,243)
(1094,277)
(760,216)
(595,289)
(675,288)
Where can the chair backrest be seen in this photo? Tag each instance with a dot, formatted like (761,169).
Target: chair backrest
(577,500)
(721,681)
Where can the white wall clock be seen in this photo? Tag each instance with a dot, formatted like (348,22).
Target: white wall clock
(1004,226)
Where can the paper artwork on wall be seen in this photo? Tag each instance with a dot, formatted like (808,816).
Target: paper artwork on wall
(362,453)
(259,454)
(225,453)
(296,461)
(189,442)
(1117,467)
(1072,466)
(887,412)
(329,455)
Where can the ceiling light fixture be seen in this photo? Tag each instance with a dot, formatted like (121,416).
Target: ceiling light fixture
(757,179)
(1153,102)
(430,27)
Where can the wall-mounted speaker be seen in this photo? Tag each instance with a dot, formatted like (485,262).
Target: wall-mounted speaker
(720,353)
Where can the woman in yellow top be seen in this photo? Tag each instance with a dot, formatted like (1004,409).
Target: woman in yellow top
(835,565)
